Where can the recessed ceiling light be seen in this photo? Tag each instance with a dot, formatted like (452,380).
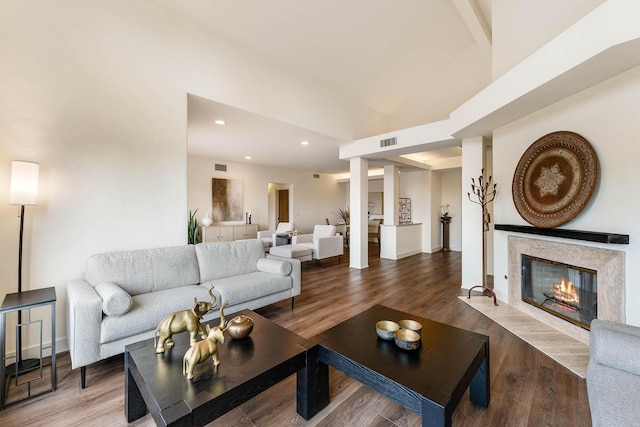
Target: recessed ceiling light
(247,157)
(305,143)
(220,122)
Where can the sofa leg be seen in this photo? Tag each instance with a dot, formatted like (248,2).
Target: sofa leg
(292,300)
(83,376)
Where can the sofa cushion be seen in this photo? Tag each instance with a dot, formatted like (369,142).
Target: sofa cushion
(149,309)
(227,259)
(115,301)
(240,289)
(274,266)
(147,270)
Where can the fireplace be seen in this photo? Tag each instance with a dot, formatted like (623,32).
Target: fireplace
(607,263)
(567,291)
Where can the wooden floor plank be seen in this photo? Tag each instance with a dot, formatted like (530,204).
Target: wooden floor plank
(527,387)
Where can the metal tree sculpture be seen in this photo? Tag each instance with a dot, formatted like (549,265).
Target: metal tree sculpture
(485,193)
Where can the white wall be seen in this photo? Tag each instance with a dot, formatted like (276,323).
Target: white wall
(428,190)
(519,28)
(607,116)
(417,187)
(435,244)
(452,193)
(96,93)
(468,74)
(313,199)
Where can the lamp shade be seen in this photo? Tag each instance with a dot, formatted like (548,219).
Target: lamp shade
(24,183)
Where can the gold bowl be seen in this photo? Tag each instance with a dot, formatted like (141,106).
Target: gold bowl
(411,325)
(407,339)
(240,327)
(386,328)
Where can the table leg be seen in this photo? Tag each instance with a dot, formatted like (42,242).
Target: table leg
(54,375)
(3,349)
(306,385)
(480,387)
(312,393)
(134,406)
(433,415)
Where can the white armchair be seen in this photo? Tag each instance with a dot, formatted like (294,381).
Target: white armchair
(268,237)
(324,242)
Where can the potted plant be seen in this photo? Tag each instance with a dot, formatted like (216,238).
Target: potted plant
(193,230)
(444,213)
(343,214)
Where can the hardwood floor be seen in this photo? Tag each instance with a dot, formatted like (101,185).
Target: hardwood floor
(527,387)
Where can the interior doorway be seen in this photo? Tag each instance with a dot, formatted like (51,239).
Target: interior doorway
(282,212)
(280,203)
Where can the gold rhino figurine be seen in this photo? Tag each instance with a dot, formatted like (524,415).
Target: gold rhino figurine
(180,321)
(200,351)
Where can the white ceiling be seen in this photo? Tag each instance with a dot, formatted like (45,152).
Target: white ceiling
(376,51)
(266,141)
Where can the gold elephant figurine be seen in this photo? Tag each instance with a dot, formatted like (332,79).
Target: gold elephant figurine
(180,321)
(200,351)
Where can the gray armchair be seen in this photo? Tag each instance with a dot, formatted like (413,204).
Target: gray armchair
(613,374)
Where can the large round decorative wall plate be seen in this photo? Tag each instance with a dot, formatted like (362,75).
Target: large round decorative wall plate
(555,179)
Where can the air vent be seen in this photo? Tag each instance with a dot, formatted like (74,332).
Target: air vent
(389,141)
(316,175)
(222,168)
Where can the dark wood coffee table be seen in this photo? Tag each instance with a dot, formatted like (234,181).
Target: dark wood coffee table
(429,381)
(248,367)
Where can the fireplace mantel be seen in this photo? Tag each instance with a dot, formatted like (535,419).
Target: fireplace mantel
(591,236)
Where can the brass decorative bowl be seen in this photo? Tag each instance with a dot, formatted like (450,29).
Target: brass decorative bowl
(412,325)
(240,327)
(386,328)
(407,339)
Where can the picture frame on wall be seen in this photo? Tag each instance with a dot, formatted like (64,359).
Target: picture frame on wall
(227,199)
(405,211)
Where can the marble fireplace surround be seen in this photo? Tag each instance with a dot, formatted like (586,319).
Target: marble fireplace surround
(609,264)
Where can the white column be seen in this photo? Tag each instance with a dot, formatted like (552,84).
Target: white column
(473,160)
(391,195)
(388,231)
(358,199)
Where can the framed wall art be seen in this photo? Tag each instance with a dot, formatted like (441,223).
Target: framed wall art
(405,211)
(227,198)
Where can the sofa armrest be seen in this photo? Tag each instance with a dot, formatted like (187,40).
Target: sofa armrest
(301,238)
(265,234)
(296,273)
(615,345)
(84,317)
(329,246)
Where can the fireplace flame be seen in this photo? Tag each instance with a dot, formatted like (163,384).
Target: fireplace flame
(565,292)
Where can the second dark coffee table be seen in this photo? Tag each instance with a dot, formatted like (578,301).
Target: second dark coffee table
(429,381)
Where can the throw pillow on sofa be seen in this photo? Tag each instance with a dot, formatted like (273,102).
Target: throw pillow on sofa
(273,266)
(115,301)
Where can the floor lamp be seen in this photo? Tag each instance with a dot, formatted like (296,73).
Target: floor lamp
(23,192)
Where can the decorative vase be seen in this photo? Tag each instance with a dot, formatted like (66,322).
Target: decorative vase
(207,221)
(240,327)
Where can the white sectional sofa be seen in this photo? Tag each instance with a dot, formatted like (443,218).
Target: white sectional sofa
(124,295)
